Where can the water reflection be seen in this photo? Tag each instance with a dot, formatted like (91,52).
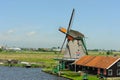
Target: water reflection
(17,73)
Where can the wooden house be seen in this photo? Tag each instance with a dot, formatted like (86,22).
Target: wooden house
(107,65)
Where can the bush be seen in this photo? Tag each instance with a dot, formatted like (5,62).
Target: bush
(1,50)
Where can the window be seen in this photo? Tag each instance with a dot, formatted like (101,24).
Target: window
(110,72)
(118,71)
(118,64)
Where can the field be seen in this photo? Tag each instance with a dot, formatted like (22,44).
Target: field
(28,56)
(34,56)
(45,59)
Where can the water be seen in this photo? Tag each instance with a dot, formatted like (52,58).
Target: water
(17,73)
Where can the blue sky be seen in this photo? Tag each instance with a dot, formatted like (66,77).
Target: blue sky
(35,23)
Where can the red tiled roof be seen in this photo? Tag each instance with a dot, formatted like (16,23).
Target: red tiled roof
(97,61)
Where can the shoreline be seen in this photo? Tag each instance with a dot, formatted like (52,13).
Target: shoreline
(50,72)
(16,63)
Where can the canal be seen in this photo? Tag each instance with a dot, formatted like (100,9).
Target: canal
(18,73)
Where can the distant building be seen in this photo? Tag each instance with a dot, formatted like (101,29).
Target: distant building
(15,49)
(0,47)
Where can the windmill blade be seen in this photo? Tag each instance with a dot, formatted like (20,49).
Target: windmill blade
(69,50)
(63,44)
(84,46)
(68,29)
(70,22)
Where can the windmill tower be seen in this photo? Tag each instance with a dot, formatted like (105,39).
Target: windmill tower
(75,47)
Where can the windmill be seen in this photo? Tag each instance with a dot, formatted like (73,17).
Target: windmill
(75,47)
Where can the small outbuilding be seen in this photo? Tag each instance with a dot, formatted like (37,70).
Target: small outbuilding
(108,66)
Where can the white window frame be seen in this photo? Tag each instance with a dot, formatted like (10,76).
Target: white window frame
(110,72)
(118,70)
(118,64)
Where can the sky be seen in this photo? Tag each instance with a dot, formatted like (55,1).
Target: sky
(35,23)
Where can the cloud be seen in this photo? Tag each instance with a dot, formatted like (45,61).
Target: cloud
(32,33)
(7,34)
(10,31)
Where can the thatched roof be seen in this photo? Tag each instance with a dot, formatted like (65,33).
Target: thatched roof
(75,34)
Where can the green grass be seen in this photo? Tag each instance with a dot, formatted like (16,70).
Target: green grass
(72,75)
(77,76)
(97,53)
(44,59)
(29,56)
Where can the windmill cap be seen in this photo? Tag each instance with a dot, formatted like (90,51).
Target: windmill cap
(76,34)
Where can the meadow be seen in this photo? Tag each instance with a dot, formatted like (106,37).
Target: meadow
(42,59)
(36,56)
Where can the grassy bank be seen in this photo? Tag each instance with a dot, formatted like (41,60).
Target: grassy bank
(71,75)
(42,59)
